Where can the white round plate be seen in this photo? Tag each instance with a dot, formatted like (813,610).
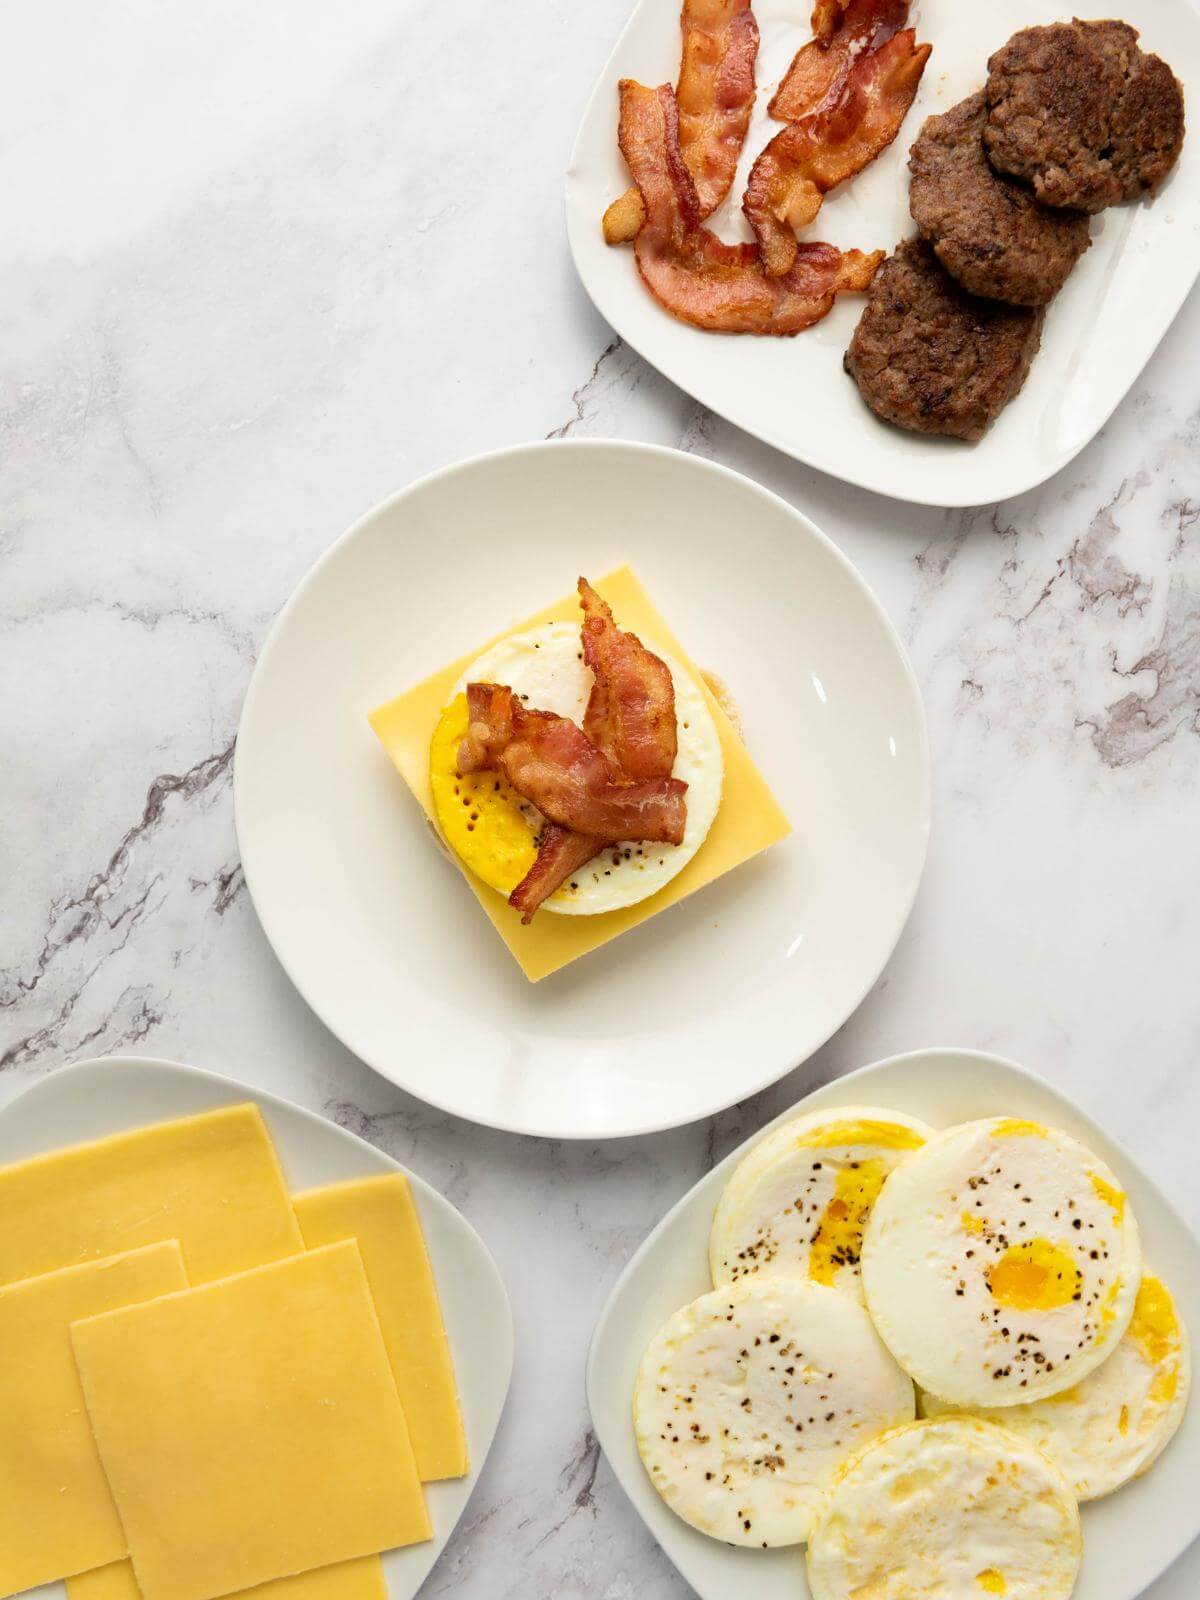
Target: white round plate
(700,1005)
(1100,331)
(1128,1538)
(93,1099)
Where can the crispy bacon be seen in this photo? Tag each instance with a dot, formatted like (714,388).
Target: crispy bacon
(560,855)
(791,177)
(845,29)
(716,96)
(825,17)
(630,718)
(631,710)
(698,277)
(489,727)
(555,766)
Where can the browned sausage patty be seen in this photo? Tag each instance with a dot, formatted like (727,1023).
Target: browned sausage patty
(930,357)
(1080,112)
(987,230)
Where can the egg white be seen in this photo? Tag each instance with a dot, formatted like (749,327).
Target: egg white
(955,1508)
(545,668)
(1115,1424)
(798,1202)
(957,1236)
(748,1399)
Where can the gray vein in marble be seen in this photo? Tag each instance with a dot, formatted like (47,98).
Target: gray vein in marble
(583,396)
(1138,724)
(89,930)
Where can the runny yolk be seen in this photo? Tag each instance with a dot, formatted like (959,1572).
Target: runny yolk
(1034,1276)
(991,1581)
(838,1240)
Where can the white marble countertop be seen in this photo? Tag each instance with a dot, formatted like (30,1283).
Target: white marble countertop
(263,265)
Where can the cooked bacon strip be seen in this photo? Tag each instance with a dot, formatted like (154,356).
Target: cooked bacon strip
(554,764)
(791,177)
(716,96)
(826,16)
(560,855)
(489,727)
(630,717)
(845,29)
(631,711)
(693,274)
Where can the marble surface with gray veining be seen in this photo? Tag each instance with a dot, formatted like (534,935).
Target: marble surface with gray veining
(264,264)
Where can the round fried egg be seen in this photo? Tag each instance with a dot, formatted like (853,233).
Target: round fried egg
(1116,1423)
(955,1508)
(799,1201)
(494,831)
(1001,1263)
(747,1400)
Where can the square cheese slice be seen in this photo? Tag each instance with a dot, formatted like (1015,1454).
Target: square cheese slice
(747,821)
(251,1429)
(349,1580)
(381,1215)
(56,1512)
(211,1181)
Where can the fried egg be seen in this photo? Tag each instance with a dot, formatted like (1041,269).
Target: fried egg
(1116,1423)
(1001,1263)
(955,1508)
(799,1201)
(494,831)
(747,1400)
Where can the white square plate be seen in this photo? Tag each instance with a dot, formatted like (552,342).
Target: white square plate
(97,1098)
(792,393)
(1129,1538)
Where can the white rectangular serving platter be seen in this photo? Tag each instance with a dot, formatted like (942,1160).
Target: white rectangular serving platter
(95,1098)
(792,393)
(1129,1537)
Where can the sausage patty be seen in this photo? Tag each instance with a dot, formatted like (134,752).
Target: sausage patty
(1080,112)
(930,357)
(987,230)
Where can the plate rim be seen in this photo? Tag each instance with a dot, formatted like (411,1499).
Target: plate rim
(701,464)
(944,1053)
(504,1333)
(1023,484)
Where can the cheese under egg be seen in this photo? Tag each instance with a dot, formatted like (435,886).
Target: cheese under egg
(748,1399)
(956,1509)
(799,1201)
(494,831)
(1001,1263)
(1115,1424)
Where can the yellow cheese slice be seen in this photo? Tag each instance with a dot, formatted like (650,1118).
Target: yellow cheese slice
(349,1580)
(56,1513)
(251,1429)
(748,820)
(211,1181)
(381,1215)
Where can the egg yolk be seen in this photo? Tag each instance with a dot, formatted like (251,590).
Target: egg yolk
(1154,1324)
(991,1581)
(1112,1197)
(881,1135)
(1034,1276)
(1018,1128)
(482,819)
(838,1239)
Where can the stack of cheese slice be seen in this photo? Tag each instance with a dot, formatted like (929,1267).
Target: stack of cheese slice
(209,1385)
